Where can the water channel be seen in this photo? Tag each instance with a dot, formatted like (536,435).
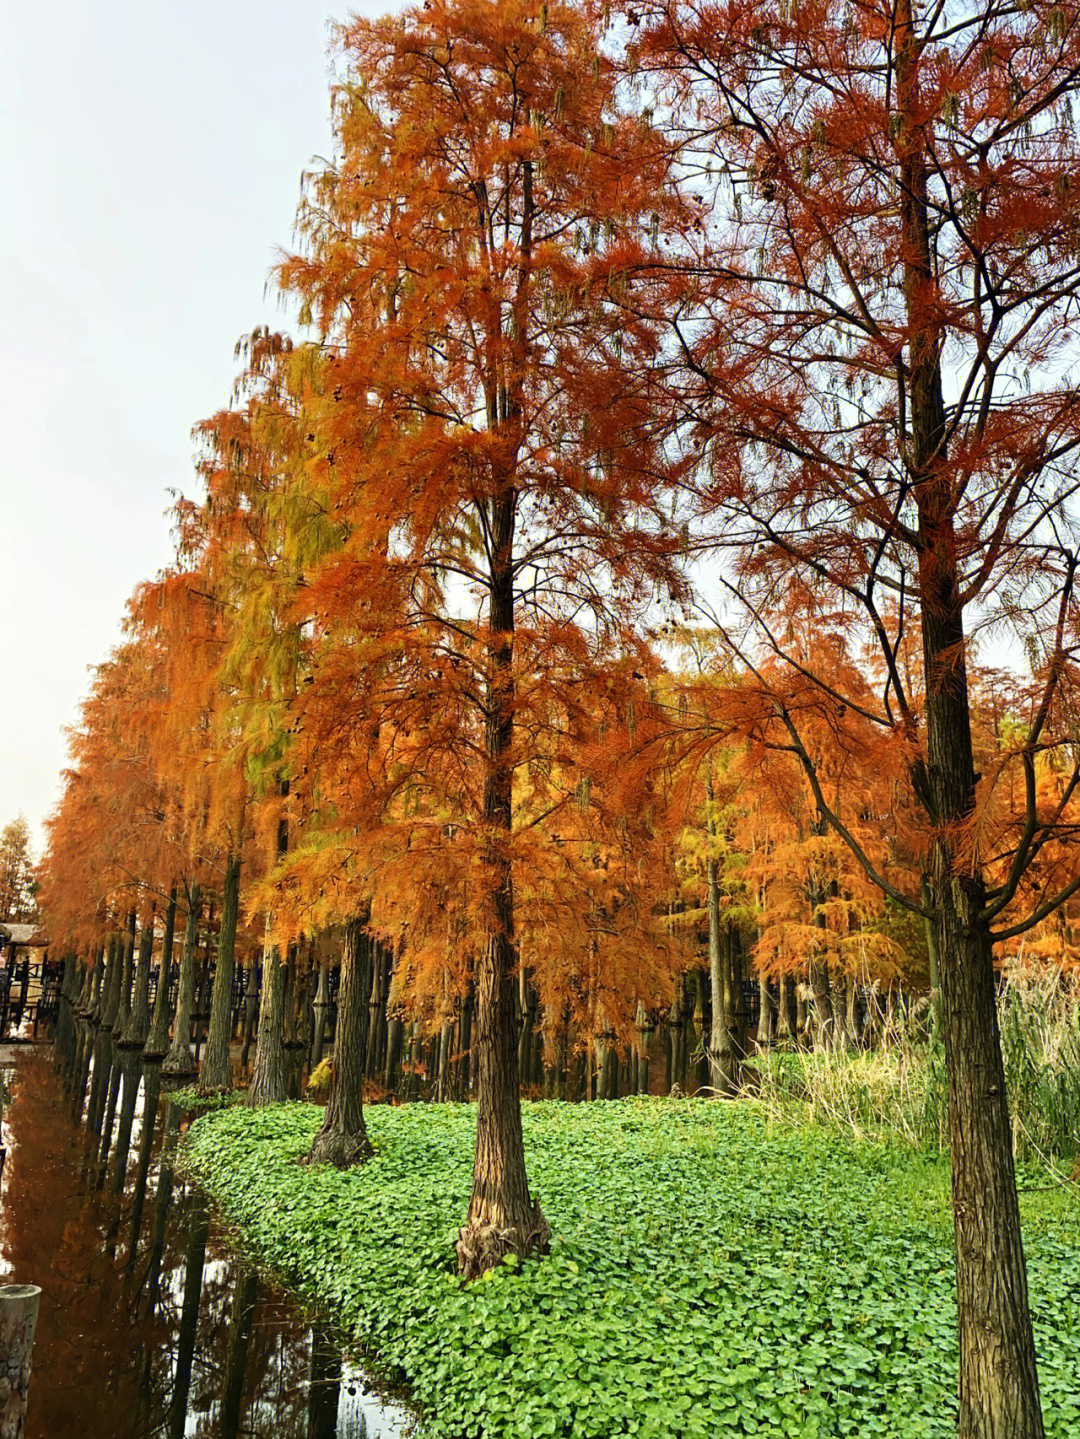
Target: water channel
(151,1326)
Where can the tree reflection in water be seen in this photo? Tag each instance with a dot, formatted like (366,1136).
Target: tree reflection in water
(149,1327)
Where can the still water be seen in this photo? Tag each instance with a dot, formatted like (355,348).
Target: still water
(150,1327)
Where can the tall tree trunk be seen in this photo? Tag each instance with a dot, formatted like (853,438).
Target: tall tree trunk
(180,1062)
(607,1086)
(251,1009)
(502,1217)
(645,1032)
(766,1031)
(97,996)
(157,1041)
(726,1051)
(138,1025)
(442,1090)
(110,999)
(342,1139)
(123,1013)
(215,1073)
(394,1042)
(322,1012)
(999,1389)
(268,1083)
(854,1022)
(824,1011)
(268,1076)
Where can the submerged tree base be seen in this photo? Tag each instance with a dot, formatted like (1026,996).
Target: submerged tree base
(484,1243)
(179,1065)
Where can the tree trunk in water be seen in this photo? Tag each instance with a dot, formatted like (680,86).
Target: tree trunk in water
(157,1041)
(268,1077)
(90,980)
(999,1389)
(110,1001)
(123,1013)
(98,986)
(342,1139)
(180,1062)
(138,1025)
(64,1033)
(215,1073)
(502,1217)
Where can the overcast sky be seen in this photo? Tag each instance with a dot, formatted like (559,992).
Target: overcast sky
(150,157)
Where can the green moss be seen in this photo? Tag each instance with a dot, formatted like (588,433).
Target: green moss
(709,1275)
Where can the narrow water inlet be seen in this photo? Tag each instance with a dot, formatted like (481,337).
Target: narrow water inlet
(151,1325)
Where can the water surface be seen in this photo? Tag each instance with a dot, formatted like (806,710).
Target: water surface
(150,1326)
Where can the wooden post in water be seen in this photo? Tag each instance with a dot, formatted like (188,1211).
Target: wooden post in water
(18,1319)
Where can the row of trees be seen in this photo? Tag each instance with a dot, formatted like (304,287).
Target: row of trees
(684,391)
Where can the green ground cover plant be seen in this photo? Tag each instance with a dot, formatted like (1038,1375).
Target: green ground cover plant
(711,1273)
(191,1100)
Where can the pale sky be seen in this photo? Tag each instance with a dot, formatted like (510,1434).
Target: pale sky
(150,160)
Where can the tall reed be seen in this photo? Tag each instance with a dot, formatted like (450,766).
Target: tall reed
(899,1086)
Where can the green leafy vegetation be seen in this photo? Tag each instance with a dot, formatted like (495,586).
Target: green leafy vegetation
(193,1101)
(711,1274)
